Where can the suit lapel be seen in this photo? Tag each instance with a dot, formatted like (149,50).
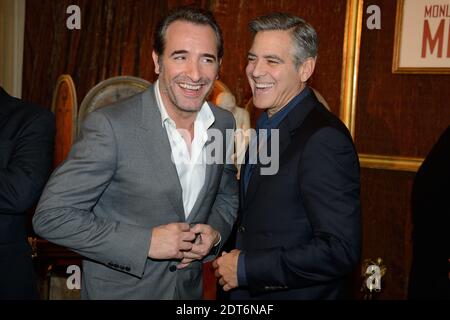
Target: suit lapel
(287,127)
(285,139)
(153,137)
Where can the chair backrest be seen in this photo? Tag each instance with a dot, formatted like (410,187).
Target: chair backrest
(109,91)
(65,108)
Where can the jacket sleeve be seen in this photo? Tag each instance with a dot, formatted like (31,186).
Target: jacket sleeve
(65,211)
(28,165)
(330,190)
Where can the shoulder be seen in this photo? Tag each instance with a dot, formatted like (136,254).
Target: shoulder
(126,110)
(330,139)
(122,107)
(31,113)
(330,129)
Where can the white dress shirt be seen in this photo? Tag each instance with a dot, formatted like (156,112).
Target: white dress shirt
(191,166)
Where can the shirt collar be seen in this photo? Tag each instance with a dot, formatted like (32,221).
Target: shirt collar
(205,116)
(264,122)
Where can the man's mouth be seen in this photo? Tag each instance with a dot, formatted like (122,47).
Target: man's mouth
(188,86)
(191,90)
(263,87)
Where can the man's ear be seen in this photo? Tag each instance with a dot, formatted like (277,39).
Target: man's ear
(306,69)
(156,62)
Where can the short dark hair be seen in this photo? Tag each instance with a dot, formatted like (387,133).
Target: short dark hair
(302,33)
(190,14)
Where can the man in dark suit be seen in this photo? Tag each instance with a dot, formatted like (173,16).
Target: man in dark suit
(430,270)
(26,151)
(299,230)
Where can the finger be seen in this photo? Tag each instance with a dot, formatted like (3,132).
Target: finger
(182,265)
(188,236)
(217,274)
(224,253)
(200,249)
(186,260)
(226,287)
(185,246)
(222,281)
(214,264)
(199,228)
(198,238)
(192,256)
(179,255)
(182,226)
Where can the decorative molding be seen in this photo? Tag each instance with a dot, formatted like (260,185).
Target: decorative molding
(350,62)
(375,161)
(349,88)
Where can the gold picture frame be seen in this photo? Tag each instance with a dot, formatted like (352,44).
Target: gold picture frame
(422,42)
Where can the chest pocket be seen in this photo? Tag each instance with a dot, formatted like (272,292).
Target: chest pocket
(6,148)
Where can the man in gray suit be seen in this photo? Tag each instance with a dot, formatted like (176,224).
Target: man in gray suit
(135,195)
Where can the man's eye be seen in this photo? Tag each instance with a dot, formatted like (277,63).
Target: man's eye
(208,60)
(179,58)
(251,59)
(272,61)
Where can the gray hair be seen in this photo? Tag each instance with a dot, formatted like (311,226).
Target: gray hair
(303,34)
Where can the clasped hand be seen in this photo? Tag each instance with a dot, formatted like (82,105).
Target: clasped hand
(182,242)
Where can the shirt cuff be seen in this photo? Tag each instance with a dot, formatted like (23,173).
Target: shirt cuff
(241,274)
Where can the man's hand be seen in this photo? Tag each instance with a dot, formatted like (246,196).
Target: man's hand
(226,269)
(206,238)
(170,240)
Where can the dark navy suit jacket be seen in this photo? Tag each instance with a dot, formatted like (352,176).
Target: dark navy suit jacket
(301,228)
(26,151)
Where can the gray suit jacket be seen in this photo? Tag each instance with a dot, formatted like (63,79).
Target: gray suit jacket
(119,182)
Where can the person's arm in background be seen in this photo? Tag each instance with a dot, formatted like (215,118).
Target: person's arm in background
(29,163)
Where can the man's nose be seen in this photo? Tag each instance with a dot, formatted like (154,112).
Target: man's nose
(257,69)
(194,71)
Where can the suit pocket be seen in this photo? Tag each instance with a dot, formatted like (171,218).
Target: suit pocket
(6,148)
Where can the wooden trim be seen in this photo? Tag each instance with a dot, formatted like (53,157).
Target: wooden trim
(67,79)
(375,161)
(350,63)
(397,37)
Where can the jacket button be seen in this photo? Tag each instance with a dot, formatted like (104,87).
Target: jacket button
(241,229)
(173,268)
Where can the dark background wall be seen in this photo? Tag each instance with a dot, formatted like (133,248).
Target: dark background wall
(396,115)
(116,38)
